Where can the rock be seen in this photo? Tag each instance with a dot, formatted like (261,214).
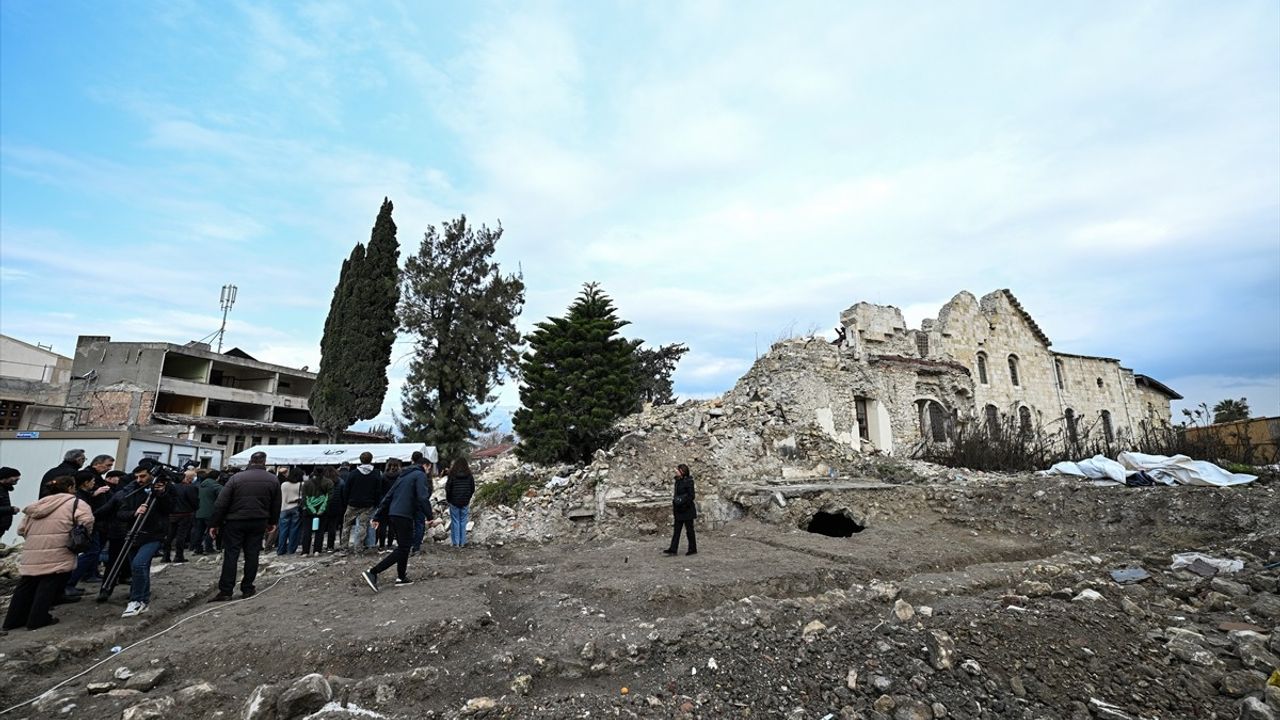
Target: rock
(304,696)
(1016,686)
(1275,640)
(261,704)
(1273,697)
(192,693)
(939,710)
(480,704)
(123,693)
(1255,656)
(1215,601)
(1087,596)
(1185,645)
(971,666)
(881,683)
(1241,682)
(588,651)
(811,630)
(146,680)
(881,590)
(942,650)
(903,611)
(910,709)
(1266,605)
(122,673)
(97,688)
(154,709)
(851,679)
(884,704)
(1229,588)
(522,684)
(46,657)
(1131,608)
(924,611)
(1034,588)
(1251,709)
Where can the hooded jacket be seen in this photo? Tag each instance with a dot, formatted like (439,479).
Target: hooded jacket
(363,488)
(408,497)
(46,525)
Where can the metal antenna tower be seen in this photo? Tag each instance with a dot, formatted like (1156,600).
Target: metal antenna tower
(227,299)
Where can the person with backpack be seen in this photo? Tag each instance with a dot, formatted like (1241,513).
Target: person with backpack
(406,498)
(315,503)
(458,490)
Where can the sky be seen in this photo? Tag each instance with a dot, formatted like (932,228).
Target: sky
(730,172)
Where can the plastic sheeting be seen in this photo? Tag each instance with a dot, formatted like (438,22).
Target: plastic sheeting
(1170,470)
(332,454)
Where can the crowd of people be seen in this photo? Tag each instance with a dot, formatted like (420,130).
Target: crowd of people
(128,519)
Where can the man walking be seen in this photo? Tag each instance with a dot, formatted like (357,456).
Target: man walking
(71,462)
(361,494)
(407,498)
(242,515)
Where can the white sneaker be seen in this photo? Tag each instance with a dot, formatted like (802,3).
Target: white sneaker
(134,608)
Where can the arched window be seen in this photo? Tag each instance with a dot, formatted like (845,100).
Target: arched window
(993,419)
(1107,431)
(982,368)
(1024,421)
(1072,436)
(1061,372)
(1013,369)
(933,420)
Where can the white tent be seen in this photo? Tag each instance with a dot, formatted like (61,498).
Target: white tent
(333,454)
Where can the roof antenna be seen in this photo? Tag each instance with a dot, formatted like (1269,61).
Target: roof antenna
(226,300)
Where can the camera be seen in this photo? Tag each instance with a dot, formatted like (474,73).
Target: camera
(161,472)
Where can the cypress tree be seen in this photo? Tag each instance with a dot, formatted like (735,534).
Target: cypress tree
(358,332)
(463,311)
(578,377)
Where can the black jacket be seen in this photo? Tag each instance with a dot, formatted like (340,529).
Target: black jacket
(459,488)
(67,468)
(336,508)
(120,510)
(363,490)
(251,494)
(408,497)
(682,500)
(6,510)
(186,498)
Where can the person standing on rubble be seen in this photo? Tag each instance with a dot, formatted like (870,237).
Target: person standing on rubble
(684,510)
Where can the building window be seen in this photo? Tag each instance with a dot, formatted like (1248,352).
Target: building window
(1107,430)
(273,441)
(922,344)
(982,368)
(1099,383)
(10,414)
(183,460)
(1072,436)
(864,423)
(238,446)
(1061,373)
(1024,421)
(256,440)
(151,455)
(933,420)
(1013,369)
(993,419)
(206,438)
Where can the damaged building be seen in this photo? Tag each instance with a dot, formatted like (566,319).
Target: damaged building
(886,387)
(189,391)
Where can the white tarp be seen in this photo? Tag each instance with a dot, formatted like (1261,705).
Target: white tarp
(1182,469)
(1098,467)
(1175,470)
(333,454)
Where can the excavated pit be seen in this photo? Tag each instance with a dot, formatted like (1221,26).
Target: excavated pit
(838,525)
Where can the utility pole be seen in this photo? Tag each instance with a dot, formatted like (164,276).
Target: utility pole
(227,299)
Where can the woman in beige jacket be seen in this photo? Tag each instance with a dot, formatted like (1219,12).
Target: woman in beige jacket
(46,562)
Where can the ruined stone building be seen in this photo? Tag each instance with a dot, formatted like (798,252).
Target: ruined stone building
(888,387)
(189,391)
(33,385)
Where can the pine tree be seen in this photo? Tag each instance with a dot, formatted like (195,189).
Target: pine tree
(463,311)
(654,367)
(359,331)
(578,377)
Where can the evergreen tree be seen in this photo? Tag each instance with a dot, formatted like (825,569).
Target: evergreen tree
(359,331)
(463,311)
(653,372)
(578,377)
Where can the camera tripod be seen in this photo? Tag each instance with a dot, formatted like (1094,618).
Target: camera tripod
(130,539)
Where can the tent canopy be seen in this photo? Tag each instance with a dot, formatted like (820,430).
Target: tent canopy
(333,454)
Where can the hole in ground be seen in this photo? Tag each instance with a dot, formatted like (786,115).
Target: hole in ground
(833,525)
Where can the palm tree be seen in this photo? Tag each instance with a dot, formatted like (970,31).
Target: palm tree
(1231,410)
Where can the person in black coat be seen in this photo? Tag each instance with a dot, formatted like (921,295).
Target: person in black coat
(72,461)
(458,490)
(405,500)
(684,509)
(8,478)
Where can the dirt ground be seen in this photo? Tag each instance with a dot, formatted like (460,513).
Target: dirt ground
(766,621)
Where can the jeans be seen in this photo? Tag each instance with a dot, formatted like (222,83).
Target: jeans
(289,529)
(402,528)
(362,534)
(419,530)
(240,535)
(458,524)
(140,567)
